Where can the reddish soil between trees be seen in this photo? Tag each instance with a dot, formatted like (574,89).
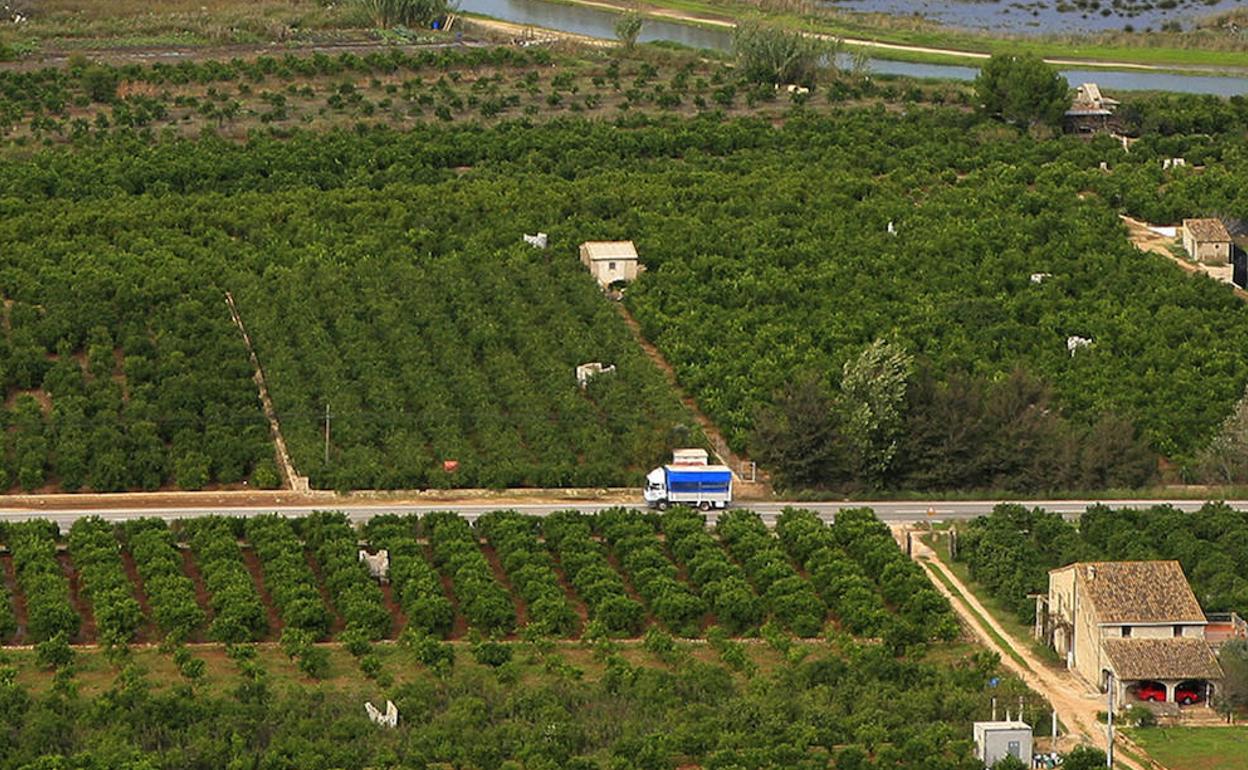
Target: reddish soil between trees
(522,608)
(147,631)
(202,597)
(614,561)
(459,628)
(398,618)
(257,577)
(86,631)
(578,606)
(336,623)
(18,598)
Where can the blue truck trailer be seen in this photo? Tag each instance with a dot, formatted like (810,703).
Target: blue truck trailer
(697,486)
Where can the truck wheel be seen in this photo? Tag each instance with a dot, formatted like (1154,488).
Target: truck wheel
(704,506)
(662,506)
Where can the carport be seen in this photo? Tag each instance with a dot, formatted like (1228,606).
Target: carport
(1178,665)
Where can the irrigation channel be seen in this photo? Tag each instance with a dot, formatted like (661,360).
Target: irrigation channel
(599,23)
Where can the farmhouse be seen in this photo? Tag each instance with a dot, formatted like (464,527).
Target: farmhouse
(1207,241)
(1134,624)
(1091,111)
(610,261)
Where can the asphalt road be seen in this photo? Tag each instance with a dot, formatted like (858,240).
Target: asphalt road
(900,512)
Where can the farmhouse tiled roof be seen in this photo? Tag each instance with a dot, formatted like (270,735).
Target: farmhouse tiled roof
(1180,658)
(1124,592)
(1207,229)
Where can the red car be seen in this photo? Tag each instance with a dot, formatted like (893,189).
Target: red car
(1151,691)
(1188,693)
(1185,694)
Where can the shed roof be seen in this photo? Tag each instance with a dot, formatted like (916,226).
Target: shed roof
(1178,658)
(617,250)
(1137,591)
(1207,229)
(1089,100)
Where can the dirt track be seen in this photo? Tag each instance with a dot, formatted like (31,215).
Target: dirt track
(757,488)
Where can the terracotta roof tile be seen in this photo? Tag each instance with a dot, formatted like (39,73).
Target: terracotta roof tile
(1138,592)
(1207,229)
(1180,658)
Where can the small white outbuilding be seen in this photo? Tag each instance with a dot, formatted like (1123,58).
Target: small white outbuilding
(610,261)
(994,740)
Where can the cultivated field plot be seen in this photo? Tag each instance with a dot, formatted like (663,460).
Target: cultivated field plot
(433,333)
(916,232)
(119,364)
(389,86)
(618,573)
(656,703)
(383,277)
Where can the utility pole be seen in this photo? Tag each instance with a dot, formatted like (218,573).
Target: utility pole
(1109,723)
(327,434)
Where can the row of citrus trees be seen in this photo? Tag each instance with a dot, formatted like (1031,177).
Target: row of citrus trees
(626,569)
(56,91)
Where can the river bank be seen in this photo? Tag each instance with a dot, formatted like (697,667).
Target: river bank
(912,39)
(596,19)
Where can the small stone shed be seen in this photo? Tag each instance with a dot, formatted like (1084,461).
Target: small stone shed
(610,261)
(1207,241)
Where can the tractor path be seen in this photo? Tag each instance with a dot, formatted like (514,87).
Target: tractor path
(759,488)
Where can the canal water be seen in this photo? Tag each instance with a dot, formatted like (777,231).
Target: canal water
(1042,17)
(599,23)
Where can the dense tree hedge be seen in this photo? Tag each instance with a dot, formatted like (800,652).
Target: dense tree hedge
(790,599)
(841,581)
(238,614)
(355,593)
(169,590)
(42,581)
(530,569)
(719,581)
(637,546)
(569,535)
(922,610)
(457,552)
(287,575)
(103,581)
(8,616)
(415,581)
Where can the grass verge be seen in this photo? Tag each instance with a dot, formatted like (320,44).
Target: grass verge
(938,570)
(1019,632)
(1196,748)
